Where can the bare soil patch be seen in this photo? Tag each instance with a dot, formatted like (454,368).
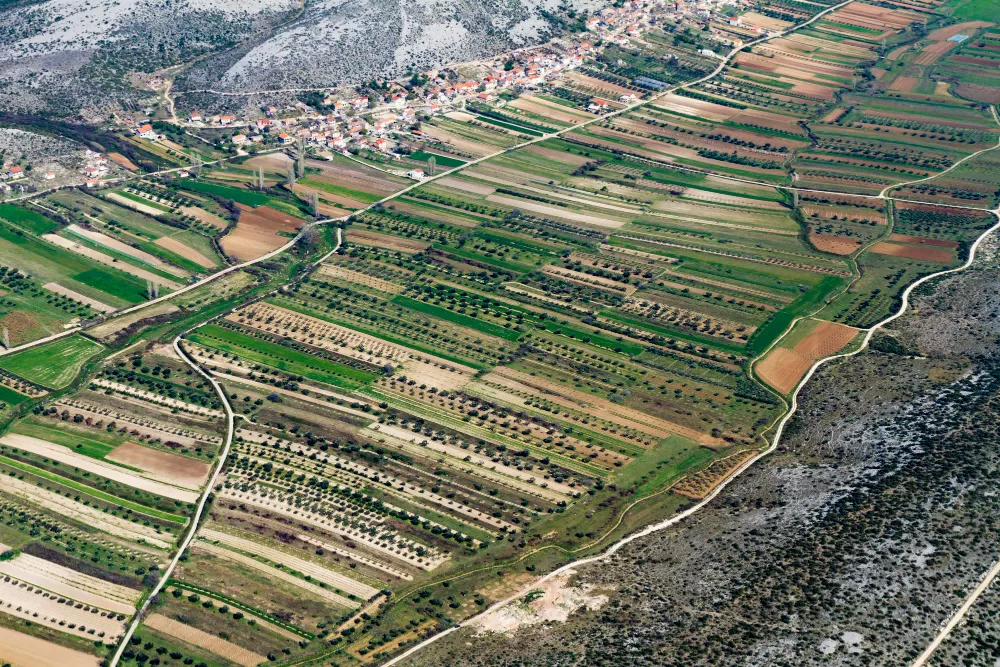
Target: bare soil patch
(256,233)
(783,368)
(171,468)
(940,243)
(838,245)
(18,648)
(912,252)
(185,251)
(904,83)
(118,158)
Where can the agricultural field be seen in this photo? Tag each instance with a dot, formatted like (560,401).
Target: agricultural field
(429,392)
(100,484)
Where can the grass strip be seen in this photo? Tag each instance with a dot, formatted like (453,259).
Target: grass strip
(90,491)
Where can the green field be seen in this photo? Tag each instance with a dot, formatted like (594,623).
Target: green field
(52,365)
(441,160)
(27,219)
(239,195)
(281,357)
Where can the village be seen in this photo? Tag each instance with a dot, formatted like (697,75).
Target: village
(377,122)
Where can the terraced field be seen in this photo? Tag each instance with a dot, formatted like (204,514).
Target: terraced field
(473,380)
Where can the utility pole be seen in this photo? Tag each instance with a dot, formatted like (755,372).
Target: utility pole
(300,160)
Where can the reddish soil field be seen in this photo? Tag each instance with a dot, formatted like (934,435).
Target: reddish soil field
(904,84)
(911,252)
(784,368)
(903,238)
(123,161)
(838,245)
(256,233)
(972,60)
(978,93)
(826,339)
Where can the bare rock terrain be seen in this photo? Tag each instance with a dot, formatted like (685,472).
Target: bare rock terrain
(849,546)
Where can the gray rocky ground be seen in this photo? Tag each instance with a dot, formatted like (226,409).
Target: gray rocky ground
(850,546)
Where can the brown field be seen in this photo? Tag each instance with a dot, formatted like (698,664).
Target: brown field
(201,639)
(187,252)
(338,200)
(826,339)
(581,81)
(783,368)
(19,649)
(973,60)
(940,243)
(912,252)
(457,142)
(203,216)
(692,107)
(904,83)
(599,407)
(96,466)
(171,468)
(838,245)
(551,110)
(256,233)
(972,91)
(123,161)
(357,177)
(896,52)
(364,237)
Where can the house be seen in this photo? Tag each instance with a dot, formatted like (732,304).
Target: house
(360,103)
(416,174)
(49,175)
(593,22)
(597,106)
(399,100)
(627,99)
(227,120)
(91,182)
(285,138)
(195,117)
(271,111)
(239,139)
(146,131)
(381,145)
(15,173)
(183,173)
(263,123)
(91,171)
